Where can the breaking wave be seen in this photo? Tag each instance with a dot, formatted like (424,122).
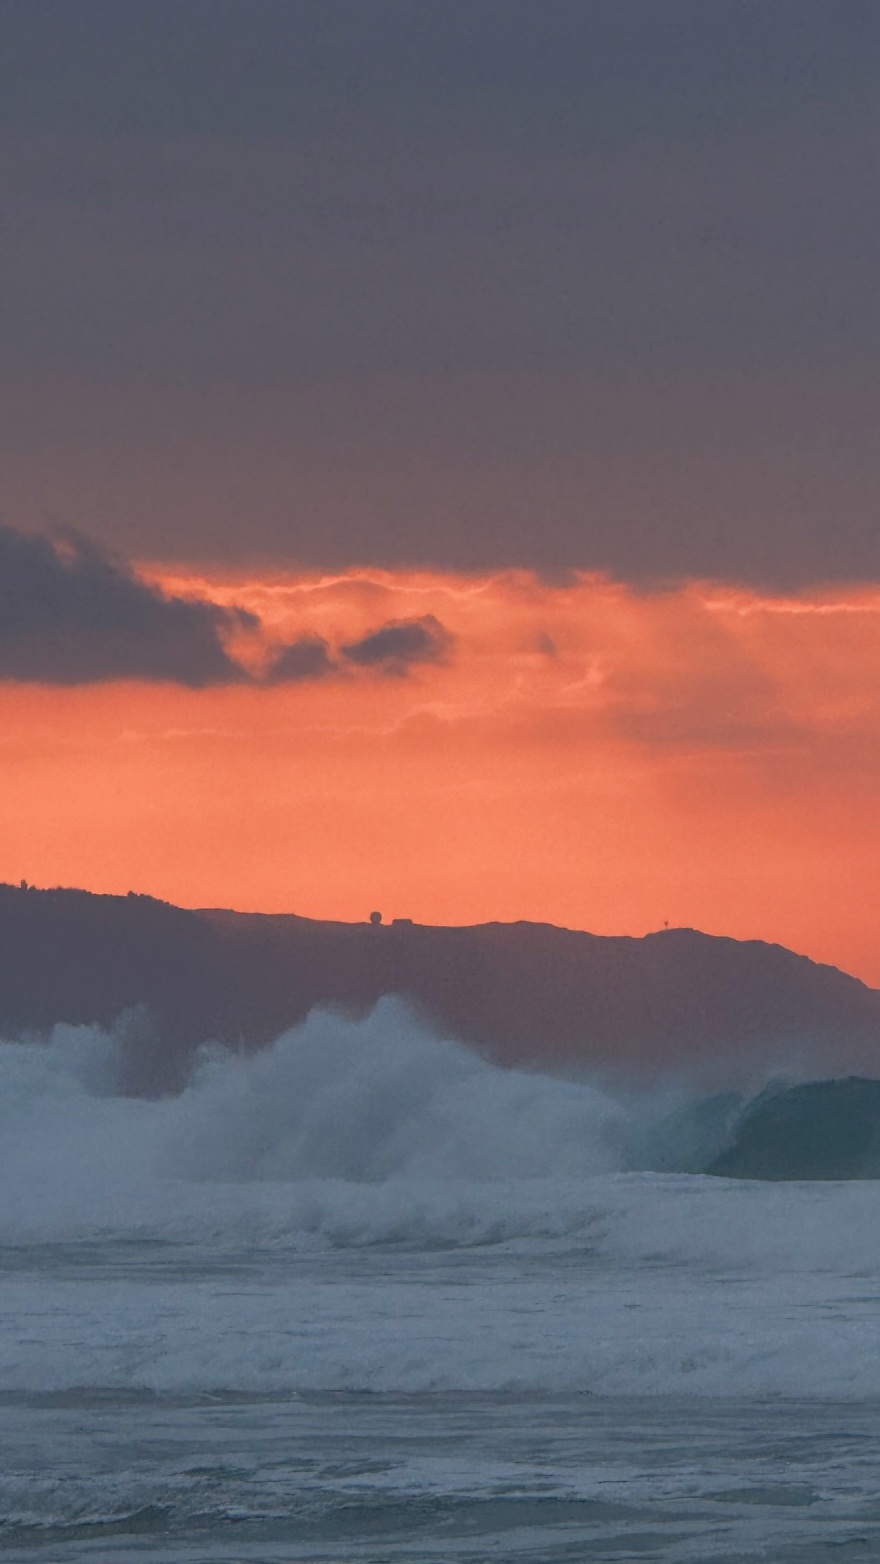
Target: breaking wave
(364,1206)
(359,1132)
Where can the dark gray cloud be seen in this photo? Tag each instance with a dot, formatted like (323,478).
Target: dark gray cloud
(481,282)
(396,647)
(71,615)
(271,191)
(603,70)
(305,659)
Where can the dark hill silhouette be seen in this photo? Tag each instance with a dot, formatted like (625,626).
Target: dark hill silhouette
(521,992)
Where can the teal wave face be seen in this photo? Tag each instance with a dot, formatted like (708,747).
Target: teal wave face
(820,1130)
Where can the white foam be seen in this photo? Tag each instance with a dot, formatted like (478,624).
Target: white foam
(333,1109)
(484,1320)
(366,1207)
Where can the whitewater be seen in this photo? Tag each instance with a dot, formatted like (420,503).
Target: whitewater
(364,1295)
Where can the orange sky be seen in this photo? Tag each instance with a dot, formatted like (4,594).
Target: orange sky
(591,755)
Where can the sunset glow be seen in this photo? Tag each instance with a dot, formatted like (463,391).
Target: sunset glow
(585,753)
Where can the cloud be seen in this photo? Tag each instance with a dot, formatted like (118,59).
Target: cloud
(71,614)
(307,658)
(531,290)
(394,648)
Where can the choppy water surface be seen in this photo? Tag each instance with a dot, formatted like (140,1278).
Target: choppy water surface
(438,1477)
(367,1298)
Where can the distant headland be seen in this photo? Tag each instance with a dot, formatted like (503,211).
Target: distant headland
(521,993)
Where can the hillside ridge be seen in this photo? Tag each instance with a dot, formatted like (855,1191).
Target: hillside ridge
(523,993)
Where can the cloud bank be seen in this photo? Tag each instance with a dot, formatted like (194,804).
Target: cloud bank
(547,290)
(72,614)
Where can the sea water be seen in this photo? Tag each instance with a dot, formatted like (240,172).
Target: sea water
(364,1296)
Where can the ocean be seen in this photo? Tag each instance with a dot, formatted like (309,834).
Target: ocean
(365,1296)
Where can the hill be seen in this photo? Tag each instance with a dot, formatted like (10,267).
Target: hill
(523,993)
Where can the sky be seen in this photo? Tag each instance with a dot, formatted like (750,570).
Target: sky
(438,459)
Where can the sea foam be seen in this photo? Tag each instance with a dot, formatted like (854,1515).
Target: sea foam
(366,1207)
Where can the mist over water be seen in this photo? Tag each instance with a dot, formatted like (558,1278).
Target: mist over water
(370,1131)
(365,1101)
